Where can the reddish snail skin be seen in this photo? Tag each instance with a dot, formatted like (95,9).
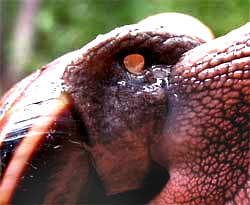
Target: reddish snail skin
(143,114)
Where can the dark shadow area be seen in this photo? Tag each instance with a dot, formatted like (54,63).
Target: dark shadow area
(152,185)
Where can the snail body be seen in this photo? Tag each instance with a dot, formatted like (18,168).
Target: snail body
(137,102)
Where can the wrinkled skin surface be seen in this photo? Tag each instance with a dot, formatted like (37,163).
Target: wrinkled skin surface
(178,133)
(206,142)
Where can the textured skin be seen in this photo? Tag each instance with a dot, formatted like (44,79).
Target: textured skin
(123,119)
(194,123)
(206,140)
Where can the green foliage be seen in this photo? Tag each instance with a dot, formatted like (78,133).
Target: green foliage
(64,25)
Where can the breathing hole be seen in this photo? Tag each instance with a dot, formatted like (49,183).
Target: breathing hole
(134,63)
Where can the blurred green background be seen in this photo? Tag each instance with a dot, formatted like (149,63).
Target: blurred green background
(60,26)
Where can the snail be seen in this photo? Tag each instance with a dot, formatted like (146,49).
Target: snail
(146,113)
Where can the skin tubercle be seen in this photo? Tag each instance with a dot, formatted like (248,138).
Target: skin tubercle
(226,49)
